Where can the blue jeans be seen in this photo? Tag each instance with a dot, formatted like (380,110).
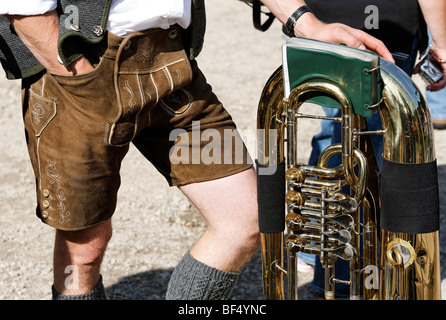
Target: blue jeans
(437,104)
(330,134)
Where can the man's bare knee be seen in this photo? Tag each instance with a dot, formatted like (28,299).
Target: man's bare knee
(85,247)
(249,243)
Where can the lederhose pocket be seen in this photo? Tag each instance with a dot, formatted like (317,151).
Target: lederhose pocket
(149,66)
(42,111)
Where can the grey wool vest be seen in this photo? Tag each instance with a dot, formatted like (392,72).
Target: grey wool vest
(82,25)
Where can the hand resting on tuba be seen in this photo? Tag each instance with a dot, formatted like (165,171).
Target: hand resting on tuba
(308,26)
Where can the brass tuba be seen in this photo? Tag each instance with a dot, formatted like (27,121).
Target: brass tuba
(389,234)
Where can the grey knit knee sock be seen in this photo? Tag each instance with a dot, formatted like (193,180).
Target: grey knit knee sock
(98,293)
(194,280)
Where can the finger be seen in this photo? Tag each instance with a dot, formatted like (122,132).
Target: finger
(437,85)
(343,36)
(373,44)
(416,69)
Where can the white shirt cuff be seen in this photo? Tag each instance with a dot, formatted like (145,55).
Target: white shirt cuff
(27,7)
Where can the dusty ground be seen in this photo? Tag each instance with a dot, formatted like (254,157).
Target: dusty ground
(154,225)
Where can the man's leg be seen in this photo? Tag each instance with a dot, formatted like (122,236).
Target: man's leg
(78,256)
(229,207)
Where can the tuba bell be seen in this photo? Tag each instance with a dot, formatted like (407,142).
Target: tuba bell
(386,225)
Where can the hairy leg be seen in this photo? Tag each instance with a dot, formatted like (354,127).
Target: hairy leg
(78,256)
(209,271)
(229,207)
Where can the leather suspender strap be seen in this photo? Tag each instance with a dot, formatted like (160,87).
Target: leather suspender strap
(257,13)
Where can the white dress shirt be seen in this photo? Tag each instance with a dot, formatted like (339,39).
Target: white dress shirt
(126,16)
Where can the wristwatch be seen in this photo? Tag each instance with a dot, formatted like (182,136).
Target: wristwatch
(291,22)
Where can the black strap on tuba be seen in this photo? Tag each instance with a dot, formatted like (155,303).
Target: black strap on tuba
(409,197)
(271,198)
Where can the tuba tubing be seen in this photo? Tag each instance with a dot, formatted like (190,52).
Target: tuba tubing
(408,259)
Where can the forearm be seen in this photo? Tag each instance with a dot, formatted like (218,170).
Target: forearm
(434,12)
(282,10)
(40,34)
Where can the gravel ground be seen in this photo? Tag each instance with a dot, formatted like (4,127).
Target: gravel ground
(154,225)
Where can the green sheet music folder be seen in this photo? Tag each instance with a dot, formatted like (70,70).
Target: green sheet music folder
(355,71)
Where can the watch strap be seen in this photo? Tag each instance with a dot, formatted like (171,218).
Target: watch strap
(291,22)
